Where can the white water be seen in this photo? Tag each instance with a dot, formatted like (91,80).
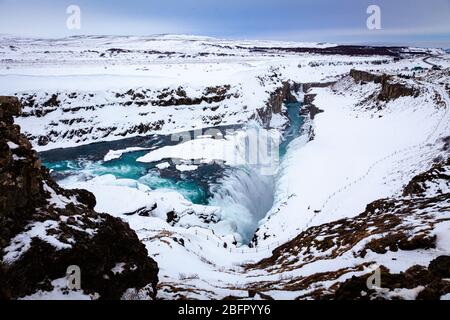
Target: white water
(245,197)
(245,194)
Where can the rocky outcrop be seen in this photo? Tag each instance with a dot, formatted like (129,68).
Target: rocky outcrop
(420,183)
(141,107)
(390,89)
(309,112)
(387,226)
(171,97)
(309,108)
(310,85)
(44,229)
(364,76)
(283,94)
(69,101)
(430,283)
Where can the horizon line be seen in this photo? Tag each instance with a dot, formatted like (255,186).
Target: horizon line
(335,43)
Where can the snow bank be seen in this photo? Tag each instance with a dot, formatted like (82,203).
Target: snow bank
(116,154)
(253,146)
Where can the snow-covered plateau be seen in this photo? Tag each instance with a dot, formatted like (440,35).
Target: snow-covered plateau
(350,176)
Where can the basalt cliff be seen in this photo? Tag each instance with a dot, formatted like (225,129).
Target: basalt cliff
(44,229)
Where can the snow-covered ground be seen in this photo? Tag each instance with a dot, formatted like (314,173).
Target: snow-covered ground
(364,156)
(115,80)
(361,151)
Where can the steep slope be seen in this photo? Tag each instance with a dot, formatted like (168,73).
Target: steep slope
(409,232)
(371,133)
(44,229)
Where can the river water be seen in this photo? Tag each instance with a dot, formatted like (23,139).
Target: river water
(244,195)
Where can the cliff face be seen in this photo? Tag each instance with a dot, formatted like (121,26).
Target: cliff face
(274,105)
(21,186)
(44,229)
(390,90)
(58,114)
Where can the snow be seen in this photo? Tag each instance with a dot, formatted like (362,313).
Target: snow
(236,148)
(21,243)
(394,147)
(118,268)
(405,294)
(163,165)
(111,198)
(110,193)
(60,292)
(185,167)
(58,201)
(278,121)
(339,186)
(446,297)
(76,65)
(17,158)
(12,145)
(206,150)
(442,232)
(116,154)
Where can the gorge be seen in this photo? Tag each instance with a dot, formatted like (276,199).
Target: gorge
(199,168)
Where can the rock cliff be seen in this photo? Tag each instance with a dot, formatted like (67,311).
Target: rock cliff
(390,89)
(44,229)
(274,105)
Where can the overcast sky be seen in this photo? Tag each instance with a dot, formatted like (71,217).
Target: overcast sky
(418,22)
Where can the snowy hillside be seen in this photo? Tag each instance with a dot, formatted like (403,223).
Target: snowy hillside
(351,125)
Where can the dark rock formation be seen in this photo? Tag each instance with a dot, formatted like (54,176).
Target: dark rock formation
(390,89)
(73,103)
(431,278)
(309,108)
(284,94)
(171,97)
(340,50)
(44,228)
(418,184)
(144,212)
(310,85)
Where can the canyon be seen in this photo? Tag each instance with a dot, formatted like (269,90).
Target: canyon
(361,179)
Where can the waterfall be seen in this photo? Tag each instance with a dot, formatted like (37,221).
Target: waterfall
(245,197)
(246,193)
